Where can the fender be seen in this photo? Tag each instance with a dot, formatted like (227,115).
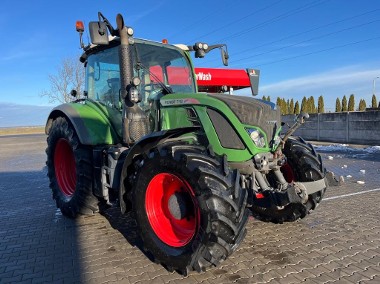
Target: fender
(148,142)
(92,125)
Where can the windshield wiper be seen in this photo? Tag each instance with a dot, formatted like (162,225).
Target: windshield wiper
(165,88)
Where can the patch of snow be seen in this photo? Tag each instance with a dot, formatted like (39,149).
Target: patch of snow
(330,157)
(360,182)
(373,149)
(334,147)
(346,148)
(362,171)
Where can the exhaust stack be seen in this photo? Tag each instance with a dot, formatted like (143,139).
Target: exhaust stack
(135,122)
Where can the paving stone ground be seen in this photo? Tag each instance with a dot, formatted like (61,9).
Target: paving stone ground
(339,242)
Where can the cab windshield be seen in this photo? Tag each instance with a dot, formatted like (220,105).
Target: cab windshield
(155,64)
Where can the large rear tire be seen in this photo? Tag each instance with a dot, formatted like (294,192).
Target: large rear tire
(304,164)
(70,170)
(190,208)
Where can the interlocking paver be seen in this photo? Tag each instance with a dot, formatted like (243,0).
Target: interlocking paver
(356,278)
(370,272)
(290,279)
(339,242)
(12,279)
(375,260)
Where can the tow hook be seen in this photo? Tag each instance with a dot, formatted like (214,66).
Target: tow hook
(332,180)
(301,192)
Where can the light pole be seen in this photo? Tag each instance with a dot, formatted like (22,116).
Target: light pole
(374,85)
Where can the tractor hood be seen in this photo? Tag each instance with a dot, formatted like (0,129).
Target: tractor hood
(252,111)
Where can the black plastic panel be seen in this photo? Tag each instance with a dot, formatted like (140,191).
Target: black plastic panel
(227,135)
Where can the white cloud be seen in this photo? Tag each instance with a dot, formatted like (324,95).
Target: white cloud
(31,47)
(146,12)
(331,84)
(15,55)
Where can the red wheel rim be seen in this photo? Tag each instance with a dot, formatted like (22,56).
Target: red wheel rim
(64,165)
(288,173)
(172,231)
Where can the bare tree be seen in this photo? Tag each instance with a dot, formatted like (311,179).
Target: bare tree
(69,76)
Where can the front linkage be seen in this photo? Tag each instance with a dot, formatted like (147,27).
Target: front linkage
(288,184)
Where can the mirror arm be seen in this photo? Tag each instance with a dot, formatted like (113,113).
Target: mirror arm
(211,47)
(112,31)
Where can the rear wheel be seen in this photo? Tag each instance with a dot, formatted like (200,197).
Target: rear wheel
(190,209)
(303,165)
(70,170)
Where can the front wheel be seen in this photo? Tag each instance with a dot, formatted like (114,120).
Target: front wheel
(70,170)
(190,209)
(304,164)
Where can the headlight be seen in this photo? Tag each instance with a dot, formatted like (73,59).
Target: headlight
(134,95)
(130,31)
(277,141)
(257,137)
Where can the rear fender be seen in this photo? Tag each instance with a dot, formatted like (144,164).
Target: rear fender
(92,126)
(144,145)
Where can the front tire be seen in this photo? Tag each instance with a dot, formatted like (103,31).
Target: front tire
(304,164)
(190,209)
(70,170)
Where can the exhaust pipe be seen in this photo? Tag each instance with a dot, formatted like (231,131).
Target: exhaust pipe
(135,122)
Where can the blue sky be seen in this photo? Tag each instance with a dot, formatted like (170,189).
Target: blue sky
(303,48)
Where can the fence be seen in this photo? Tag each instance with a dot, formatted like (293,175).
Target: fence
(344,127)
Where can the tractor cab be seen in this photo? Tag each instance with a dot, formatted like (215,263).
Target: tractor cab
(146,70)
(160,68)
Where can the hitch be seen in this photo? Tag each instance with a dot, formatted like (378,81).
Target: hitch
(296,193)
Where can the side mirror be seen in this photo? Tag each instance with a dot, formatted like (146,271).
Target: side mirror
(202,48)
(98,33)
(225,56)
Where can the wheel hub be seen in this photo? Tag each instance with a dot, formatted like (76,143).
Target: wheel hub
(180,205)
(171,209)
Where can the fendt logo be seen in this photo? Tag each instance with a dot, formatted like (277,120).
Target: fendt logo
(203,76)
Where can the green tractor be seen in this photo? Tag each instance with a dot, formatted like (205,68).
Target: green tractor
(190,167)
